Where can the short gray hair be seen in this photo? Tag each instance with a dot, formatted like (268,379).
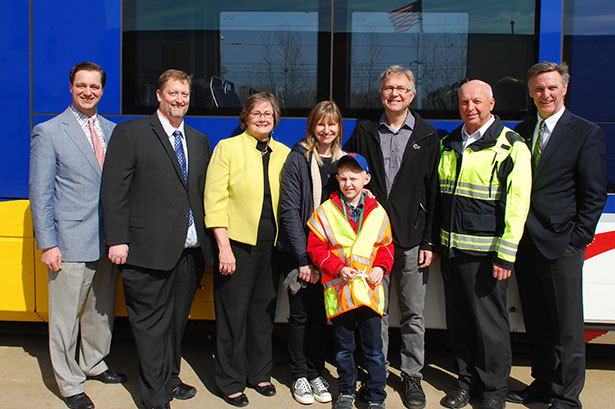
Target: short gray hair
(545,66)
(398,70)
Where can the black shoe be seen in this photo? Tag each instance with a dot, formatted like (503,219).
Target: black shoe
(79,401)
(535,392)
(163,406)
(239,401)
(183,391)
(109,377)
(265,390)
(413,396)
(492,403)
(362,393)
(458,398)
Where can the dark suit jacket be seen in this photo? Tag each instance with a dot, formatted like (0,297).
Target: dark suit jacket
(569,185)
(145,201)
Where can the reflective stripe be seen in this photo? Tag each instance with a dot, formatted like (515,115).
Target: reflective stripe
(472,190)
(333,282)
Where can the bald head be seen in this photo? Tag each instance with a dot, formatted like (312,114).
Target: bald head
(475,104)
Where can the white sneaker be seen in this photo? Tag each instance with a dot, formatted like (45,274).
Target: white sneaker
(302,392)
(320,390)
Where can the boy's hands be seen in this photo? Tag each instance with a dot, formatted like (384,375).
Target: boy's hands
(348,273)
(375,275)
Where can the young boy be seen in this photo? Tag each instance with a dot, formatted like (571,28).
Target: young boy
(350,242)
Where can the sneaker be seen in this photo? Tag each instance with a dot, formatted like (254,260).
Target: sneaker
(302,392)
(344,402)
(413,396)
(376,406)
(320,390)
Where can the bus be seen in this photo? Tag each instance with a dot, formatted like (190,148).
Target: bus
(302,52)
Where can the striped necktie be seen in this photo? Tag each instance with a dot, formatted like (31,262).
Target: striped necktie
(181,158)
(539,145)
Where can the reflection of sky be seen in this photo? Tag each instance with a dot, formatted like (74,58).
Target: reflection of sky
(379,22)
(589,17)
(486,16)
(295,21)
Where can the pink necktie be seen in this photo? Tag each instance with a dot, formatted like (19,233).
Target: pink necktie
(98,149)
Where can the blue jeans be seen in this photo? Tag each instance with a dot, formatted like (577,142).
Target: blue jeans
(367,321)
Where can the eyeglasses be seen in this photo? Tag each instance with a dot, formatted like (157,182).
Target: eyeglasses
(400,90)
(256,114)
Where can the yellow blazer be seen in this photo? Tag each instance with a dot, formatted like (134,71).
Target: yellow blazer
(234,186)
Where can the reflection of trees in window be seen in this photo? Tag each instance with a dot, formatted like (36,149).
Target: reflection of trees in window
(445,58)
(281,70)
(366,68)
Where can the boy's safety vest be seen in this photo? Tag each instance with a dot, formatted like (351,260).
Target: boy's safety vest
(357,251)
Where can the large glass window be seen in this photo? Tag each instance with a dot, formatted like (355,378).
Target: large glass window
(232,49)
(589,49)
(307,51)
(445,43)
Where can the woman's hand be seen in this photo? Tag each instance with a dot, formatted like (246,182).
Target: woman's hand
(306,273)
(226,259)
(227,264)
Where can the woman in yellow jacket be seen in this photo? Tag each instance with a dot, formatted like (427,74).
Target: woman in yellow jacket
(241,207)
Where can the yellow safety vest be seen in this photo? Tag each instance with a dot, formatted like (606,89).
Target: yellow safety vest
(357,251)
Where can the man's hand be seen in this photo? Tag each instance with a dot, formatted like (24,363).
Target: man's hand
(306,273)
(118,253)
(52,258)
(348,273)
(375,275)
(425,258)
(501,273)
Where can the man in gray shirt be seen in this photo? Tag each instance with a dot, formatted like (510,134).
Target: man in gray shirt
(402,151)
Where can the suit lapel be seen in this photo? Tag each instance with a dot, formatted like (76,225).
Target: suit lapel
(76,134)
(555,140)
(107,129)
(191,145)
(164,140)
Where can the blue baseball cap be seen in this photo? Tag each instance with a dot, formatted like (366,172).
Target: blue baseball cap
(356,158)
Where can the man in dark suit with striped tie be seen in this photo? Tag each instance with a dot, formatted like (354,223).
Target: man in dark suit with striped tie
(568,195)
(152,198)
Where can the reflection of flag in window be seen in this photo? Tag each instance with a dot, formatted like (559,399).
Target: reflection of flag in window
(405,17)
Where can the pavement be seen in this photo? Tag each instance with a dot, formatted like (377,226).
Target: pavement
(26,377)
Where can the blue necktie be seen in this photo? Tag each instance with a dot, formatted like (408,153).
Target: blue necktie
(181,157)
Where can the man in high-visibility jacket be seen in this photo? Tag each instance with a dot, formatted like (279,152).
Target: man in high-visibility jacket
(485,181)
(350,241)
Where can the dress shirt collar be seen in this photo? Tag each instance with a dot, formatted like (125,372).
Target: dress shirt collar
(168,128)
(551,121)
(469,139)
(408,123)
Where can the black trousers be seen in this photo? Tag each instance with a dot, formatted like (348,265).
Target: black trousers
(307,327)
(477,322)
(552,299)
(245,309)
(158,304)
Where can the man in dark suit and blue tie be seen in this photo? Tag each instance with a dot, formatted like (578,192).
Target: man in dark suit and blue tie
(66,159)
(568,195)
(152,198)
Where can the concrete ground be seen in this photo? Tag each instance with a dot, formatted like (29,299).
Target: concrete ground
(26,377)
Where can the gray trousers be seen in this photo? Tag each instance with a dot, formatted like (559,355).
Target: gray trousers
(410,284)
(86,290)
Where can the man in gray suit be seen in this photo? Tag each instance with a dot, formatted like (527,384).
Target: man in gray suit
(66,158)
